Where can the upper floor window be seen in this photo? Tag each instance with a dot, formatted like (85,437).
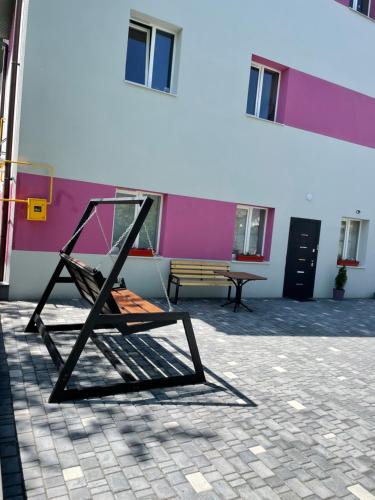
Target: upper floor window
(150,54)
(125,215)
(350,232)
(362,6)
(263,92)
(250,230)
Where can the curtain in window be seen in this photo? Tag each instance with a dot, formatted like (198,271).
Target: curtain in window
(257,231)
(342,239)
(124,216)
(353,238)
(239,240)
(152,223)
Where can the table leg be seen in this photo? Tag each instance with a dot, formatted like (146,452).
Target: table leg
(237,302)
(238,298)
(245,306)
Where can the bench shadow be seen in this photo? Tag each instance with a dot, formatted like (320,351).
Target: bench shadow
(145,358)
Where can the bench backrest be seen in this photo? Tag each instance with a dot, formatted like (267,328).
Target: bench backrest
(197,269)
(89,282)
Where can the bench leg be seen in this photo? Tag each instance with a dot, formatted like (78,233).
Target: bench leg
(229,291)
(169,286)
(176,294)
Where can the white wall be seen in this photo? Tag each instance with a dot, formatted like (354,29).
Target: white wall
(31,272)
(79,115)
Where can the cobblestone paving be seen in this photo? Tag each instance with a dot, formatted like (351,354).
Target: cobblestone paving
(287,412)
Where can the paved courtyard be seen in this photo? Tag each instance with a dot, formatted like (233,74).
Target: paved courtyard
(288,410)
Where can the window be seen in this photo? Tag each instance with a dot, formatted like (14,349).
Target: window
(149,58)
(362,6)
(250,230)
(125,214)
(263,92)
(350,232)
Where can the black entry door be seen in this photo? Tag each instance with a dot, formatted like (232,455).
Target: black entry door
(301,258)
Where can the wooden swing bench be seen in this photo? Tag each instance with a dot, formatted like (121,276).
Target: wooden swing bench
(89,281)
(112,308)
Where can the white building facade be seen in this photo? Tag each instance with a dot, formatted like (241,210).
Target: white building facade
(250,123)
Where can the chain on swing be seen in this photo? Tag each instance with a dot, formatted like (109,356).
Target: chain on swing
(110,252)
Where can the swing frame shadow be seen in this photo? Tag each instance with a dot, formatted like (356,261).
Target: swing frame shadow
(96,289)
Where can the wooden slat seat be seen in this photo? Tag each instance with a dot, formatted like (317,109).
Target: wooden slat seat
(130,303)
(197,273)
(89,282)
(204,283)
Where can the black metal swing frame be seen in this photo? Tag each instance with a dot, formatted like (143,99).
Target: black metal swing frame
(104,314)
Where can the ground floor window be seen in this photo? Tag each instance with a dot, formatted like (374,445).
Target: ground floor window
(125,215)
(250,230)
(350,233)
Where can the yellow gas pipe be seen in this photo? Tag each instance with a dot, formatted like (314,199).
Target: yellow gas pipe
(32,202)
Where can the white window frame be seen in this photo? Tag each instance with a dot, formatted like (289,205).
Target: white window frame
(150,47)
(348,221)
(258,99)
(249,209)
(147,31)
(129,192)
(355,7)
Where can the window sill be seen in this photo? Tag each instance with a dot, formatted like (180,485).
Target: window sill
(348,262)
(362,15)
(140,86)
(149,257)
(264,120)
(263,262)
(352,267)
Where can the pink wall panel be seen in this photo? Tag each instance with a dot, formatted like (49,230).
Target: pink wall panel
(192,228)
(317,105)
(69,200)
(268,62)
(310,103)
(196,228)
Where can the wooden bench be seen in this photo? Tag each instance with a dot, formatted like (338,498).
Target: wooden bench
(197,273)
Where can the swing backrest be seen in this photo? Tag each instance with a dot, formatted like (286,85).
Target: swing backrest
(89,282)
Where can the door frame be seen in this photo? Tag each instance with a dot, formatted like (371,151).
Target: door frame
(303,219)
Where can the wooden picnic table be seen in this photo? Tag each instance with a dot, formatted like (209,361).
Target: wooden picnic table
(239,279)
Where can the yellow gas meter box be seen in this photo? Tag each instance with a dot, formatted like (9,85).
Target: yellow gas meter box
(36,209)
